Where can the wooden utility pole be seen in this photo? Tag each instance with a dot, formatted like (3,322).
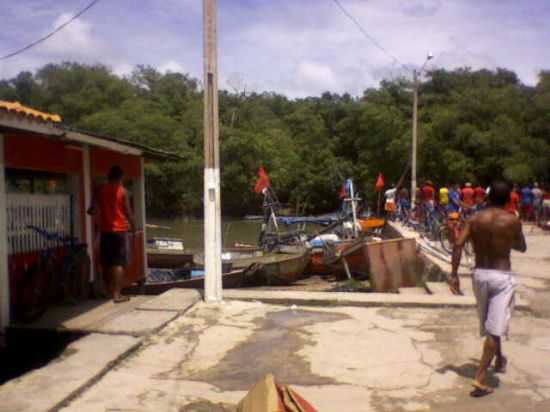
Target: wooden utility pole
(414,137)
(212,209)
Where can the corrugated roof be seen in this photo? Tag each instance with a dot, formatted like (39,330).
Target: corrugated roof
(17,107)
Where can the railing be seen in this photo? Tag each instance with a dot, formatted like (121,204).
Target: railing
(49,212)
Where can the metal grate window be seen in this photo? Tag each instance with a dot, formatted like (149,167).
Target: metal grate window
(49,212)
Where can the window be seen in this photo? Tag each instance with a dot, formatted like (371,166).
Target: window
(26,181)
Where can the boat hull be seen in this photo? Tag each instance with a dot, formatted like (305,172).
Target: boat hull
(230,280)
(281,269)
(371,224)
(167,259)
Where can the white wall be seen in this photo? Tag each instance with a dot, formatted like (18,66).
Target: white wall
(4,276)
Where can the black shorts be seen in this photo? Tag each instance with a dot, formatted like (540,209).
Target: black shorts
(113,249)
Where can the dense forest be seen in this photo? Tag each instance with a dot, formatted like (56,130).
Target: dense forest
(473,125)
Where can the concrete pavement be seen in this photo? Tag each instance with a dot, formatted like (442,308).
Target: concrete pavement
(340,358)
(82,362)
(87,359)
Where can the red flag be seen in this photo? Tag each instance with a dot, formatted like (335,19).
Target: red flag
(262,182)
(379,182)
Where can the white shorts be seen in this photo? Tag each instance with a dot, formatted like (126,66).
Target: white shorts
(495,295)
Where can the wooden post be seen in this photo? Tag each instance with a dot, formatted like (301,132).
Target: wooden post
(87,178)
(4,275)
(141,210)
(212,210)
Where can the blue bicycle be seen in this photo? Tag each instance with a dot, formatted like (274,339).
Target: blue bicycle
(61,274)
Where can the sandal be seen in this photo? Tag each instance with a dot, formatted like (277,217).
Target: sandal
(480,390)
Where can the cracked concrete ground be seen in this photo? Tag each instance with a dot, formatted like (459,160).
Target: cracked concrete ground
(353,359)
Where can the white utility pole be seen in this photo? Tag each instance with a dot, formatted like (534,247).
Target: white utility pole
(414,137)
(212,209)
(416,85)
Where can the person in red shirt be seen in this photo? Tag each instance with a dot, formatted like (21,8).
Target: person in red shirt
(513,204)
(467,196)
(111,206)
(479,196)
(428,194)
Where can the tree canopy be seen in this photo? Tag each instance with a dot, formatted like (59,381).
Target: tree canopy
(473,125)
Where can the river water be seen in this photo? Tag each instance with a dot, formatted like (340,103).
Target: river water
(233,230)
(192,231)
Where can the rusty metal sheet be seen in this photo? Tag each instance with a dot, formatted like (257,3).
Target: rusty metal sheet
(392,264)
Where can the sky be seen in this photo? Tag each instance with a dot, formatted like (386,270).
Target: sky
(294,47)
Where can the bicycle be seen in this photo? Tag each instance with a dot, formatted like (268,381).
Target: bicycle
(53,277)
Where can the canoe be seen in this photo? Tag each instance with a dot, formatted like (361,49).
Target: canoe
(233,279)
(273,268)
(282,268)
(371,223)
(168,259)
(167,253)
(326,261)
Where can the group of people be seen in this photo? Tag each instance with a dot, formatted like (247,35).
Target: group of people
(530,202)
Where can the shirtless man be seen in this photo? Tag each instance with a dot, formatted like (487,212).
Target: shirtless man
(493,233)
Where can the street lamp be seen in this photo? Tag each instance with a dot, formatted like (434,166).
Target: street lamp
(416,84)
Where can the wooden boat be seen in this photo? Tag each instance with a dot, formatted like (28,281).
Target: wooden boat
(326,261)
(282,268)
(167,253)
(233,279)
(371,223)
(278,268)
(168,259)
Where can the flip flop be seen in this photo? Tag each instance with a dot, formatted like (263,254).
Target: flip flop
(501,368)
(480,390)
(121,299)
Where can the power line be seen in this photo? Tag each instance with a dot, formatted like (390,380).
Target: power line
(46,37)
(366,34)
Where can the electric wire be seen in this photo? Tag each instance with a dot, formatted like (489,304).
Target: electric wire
(366,34)
(46,37)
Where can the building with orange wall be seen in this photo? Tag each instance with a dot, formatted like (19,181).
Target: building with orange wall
(48,173)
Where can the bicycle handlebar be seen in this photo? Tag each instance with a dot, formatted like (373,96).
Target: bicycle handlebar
(52,236)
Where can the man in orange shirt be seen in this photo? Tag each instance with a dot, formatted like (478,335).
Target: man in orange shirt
(513,204)
(112,209)
(479,196)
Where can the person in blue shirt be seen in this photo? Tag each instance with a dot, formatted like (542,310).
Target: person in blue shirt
(454,199)
(526,202)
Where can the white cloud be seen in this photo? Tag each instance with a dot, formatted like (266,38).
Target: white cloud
(76,40)
(171,66)
(315,76)
(294,47)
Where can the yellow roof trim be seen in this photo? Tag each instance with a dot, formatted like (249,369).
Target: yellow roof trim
(19,108)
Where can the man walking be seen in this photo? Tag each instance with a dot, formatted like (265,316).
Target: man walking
(112,208)
(493,233)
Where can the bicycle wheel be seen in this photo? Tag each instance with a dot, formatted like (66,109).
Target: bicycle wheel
(35,294)
(445,239)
